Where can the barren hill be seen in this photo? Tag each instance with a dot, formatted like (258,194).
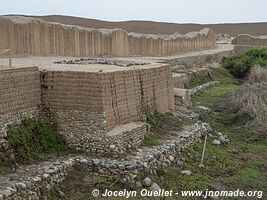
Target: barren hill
(161,27)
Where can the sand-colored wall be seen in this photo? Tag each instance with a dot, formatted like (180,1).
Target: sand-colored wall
(132,94)
(36,37)
(72,90)
(118,97)
(244,42)
(20,90)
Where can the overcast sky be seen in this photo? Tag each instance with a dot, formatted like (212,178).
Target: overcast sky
(178,11)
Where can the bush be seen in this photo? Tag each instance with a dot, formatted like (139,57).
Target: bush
(240,66)
(35,140)
(156,118)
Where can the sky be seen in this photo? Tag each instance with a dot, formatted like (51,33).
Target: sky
(177,11)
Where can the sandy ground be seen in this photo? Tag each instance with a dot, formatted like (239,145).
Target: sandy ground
(47,62)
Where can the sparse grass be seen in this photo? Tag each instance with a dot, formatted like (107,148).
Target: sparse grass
(6,169)
(246,152)
(196,79)
(161,126)
(242,164)
(152,140)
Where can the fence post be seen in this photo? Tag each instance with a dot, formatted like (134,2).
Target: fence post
(10,59)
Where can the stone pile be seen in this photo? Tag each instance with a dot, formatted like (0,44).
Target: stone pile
(102,61)
(34,181)
(202,87)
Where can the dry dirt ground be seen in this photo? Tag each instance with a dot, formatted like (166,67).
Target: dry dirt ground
(48,61)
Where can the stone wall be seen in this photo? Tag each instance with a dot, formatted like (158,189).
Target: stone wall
(244,42)
(31,36)
(20,97)
(49,175)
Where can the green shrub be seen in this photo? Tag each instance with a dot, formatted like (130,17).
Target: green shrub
(35,140)
(156,118)
(240,66)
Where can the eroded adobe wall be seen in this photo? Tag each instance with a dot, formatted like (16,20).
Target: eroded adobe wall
(244,42)
(35,37)
(74,100)
(87,105)
(131,94)
(20,97)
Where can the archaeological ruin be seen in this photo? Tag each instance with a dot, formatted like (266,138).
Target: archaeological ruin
(99,86)
(97,106)
(29,36)
(244,42)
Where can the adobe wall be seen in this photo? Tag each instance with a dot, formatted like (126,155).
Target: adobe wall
(20,97)
(244,42)
(75,101)
(88,105)
(31,36)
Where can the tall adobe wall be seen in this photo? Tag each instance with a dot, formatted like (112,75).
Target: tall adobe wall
(244,42)
(130,95)
(35,37)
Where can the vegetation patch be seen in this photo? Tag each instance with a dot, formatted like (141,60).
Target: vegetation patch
(162,125)
(198,79)
(35,140)
(6,169)
(246,154)
(240,65)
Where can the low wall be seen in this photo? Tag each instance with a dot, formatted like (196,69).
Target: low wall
(198,61)
(20,97)
(244,42)
(31,36)
(49,175)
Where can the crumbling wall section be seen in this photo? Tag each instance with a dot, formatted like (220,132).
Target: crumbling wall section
(131,94)
(36,37)
(244,42)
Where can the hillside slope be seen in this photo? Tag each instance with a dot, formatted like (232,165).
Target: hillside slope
(161,27)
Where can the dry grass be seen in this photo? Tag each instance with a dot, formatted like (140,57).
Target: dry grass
(252,99)
(257,75)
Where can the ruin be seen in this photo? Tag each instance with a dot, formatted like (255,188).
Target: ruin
(243,42)
(98,104)
(30,36)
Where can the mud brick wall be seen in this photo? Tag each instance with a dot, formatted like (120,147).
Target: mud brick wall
(87,105)
(20,90)
(131,94)
(36,37)
(75,101)
(20,97)
(244,42)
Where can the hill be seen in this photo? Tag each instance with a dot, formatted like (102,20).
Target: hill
(161,27)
